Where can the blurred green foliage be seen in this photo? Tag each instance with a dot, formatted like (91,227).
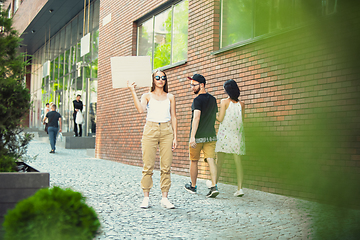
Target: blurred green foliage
(304,140)
(55,214)
(7,164)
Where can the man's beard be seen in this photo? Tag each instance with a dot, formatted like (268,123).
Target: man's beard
(197,91)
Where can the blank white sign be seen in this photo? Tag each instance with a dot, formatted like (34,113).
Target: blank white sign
(46,68)
(85,45)
(131,68)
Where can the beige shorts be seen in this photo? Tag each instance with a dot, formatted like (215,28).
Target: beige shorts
(207,147)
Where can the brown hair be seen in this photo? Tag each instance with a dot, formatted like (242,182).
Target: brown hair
(153,85)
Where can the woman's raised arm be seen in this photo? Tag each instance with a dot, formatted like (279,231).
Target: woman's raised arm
(140,106)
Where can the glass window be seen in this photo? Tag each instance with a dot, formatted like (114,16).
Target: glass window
(51,92)
(67,61)
(78,49)
(162,39)
(244,20)
(16,5)
(156,36)
(44,91)
(78,84)
(86,72)
(94,69)
(68,36)
(180,32)
(66,109)
(52,70)
(330,6)
(80,18)
(61,82)
(87,57)
(95,45)
(57,45)
(74,31)
(237,21)
(56,68)
(62,40)
(281,15)
(52,48)
(61,65)
(9,13)
(95,20)
(145,40)
(73,58)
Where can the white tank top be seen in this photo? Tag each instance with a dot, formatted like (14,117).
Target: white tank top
(158,111)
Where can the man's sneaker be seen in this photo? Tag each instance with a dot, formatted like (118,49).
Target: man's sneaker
(190,188)
(208,183)
(239,193)
(213,192)
(166,203)
(145,203)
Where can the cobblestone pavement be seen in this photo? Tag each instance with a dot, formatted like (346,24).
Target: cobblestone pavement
(113,189)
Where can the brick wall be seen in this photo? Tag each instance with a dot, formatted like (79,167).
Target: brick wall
(291,83)
(26,13)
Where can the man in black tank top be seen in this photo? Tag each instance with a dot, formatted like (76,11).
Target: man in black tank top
(202,133)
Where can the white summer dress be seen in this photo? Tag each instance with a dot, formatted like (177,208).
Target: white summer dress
(231,137)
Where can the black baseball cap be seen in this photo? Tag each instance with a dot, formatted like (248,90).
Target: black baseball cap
(198,77)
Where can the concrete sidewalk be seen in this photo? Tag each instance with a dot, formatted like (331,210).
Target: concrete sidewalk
(113,189)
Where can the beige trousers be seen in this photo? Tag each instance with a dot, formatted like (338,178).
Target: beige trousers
(154,135)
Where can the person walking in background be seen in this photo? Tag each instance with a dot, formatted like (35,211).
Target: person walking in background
(46,110)
(231,138)
(160,130)
(54,126)
(78,106)
(202,134)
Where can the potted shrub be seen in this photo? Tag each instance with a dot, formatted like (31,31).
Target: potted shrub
(14,104)
(54,214)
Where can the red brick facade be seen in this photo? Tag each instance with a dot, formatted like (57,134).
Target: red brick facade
(287,82)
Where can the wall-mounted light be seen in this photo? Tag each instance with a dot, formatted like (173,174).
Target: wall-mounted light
(51,10)
(32,31)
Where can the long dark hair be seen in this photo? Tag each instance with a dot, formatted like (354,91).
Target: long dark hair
(232,89)
(165,88)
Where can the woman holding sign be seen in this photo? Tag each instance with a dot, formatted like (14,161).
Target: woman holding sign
(160,130)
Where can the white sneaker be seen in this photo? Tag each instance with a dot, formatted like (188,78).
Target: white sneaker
(166,203)
(145,202)
(208,183)
(239,193)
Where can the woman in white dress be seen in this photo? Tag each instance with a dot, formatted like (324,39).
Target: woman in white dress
(230,137)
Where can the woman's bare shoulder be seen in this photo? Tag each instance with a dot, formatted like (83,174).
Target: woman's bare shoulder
(242,104)
(225,100)
(147,94)
(171,96)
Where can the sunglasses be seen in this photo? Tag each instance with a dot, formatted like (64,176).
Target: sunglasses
(162,77)
(194,85)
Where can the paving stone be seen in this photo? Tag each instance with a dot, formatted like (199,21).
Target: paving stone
(113,190)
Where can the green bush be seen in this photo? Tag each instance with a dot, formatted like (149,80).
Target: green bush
(7,164)
(54,214)
(14,96)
